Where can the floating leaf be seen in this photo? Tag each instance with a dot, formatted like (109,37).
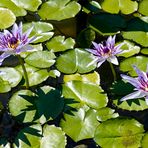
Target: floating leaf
(59,43)
(85,93)
(53,137)
(126,65)
(8,18)
(35,75)
(91,78)
(41,30)
(59,9)
(11,75)
(125,6)
(14,8)
(129,49)
(4,86)
(75,60)
(119,133)
(81,125)
(107,24)
(31,5)
(144,51)
(41,59)
(137,30)
(143,7)
(106,113)
(145,141)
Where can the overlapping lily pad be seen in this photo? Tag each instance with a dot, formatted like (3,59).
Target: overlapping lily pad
(59,9)
(85,93)
(8,18)
(41,30)
(145,141)
(59,43)
(5,86)
(143,7)
(114,6)
(119,132)
(41,59)
(80,126)
(75,60)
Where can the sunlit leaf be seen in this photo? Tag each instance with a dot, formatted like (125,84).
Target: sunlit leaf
(119,133)
(143,7)
(59,9)
(4,86)
(144,51)
(59,43)
(145,141)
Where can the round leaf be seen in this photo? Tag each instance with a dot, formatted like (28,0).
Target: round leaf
(41,59)
(143,7)
(11,75)
(119,133)
(85,93)
(8,18)
(144,51)
(81,125)
(59,43)
(75,60)
(53,137)
(145,141)
(4,86)
(59,9)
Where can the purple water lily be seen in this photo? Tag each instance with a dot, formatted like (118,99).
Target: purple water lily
(140,83)
(14,42)
(106,51)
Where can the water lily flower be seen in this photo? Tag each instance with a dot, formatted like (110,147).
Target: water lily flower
(140,83)
(14,42)
(106,51)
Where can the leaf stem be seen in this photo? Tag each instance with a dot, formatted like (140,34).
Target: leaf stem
(24,71)
(113,71)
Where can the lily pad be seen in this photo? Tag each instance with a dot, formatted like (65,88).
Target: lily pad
(114,6)
(41,30)
(31,5)
(35,75)
(75,60)
(91,78)
(144,51)
(14,8)
(107,24)
(11,75)
(53,137)
(59,43)
(143,7)
(81,125)
(59,9)
(145,141)
(119,132)
(126,65)
(129,49)
(5,86)
(41,59)
(8,18)
(85,93)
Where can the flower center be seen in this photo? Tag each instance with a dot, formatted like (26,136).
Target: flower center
(13,42)
(106,50)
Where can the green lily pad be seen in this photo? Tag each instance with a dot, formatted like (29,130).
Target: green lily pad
(54,73)
(41,30)
(137,30)
(114,6)
(31,5)
(119,132)
(53,137)
(59,43)
(59,9)
(107,24)
(129,49)
(35,75)
(143,7)
(8,18)
(5,86)
(41,59)
(144,51)
(85,93)
(145,141)
(91,78)
(29,137)
(75,60)
(106,113)
(81,125)
(139,61)
(14,8)
(11,75)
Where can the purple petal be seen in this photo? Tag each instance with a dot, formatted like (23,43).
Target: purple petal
(14,29)
(27,33)
(110,41)
(134,95)
(94,52)
(95,45)
(100,63)
(113,60)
